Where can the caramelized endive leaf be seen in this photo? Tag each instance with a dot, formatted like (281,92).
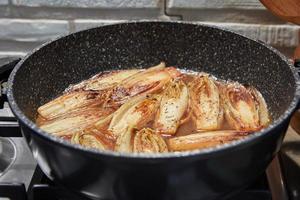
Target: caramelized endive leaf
(206,103)
(240,107)
(118,121)
(69,102)
(264,118)
(137,112)
(73,122)
(104,122)
(124,140)
(87,140)
(147,141)
(204,140)
(104,80)
(144,82)
(172,107)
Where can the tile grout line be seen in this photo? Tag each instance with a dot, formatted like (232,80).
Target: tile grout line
(171,16)
(72,27)
(9,6)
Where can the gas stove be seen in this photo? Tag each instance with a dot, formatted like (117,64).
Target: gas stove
(22,179)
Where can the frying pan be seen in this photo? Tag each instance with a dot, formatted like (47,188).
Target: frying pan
(206,174)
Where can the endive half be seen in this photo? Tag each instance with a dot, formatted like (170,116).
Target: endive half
(144,82)
(240,107)
(147,141)
(206,103)
(73,122)
(261,106)
(124,140)
(70,101)
(137,112)
(204,139)
(88,140)
(172,107)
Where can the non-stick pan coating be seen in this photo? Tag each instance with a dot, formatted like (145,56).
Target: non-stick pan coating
(222,53)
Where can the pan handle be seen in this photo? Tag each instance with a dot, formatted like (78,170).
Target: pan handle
(276,180)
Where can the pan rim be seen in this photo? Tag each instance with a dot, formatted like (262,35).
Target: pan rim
(200,152)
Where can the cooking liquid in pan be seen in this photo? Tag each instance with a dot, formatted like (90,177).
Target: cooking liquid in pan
(159,109)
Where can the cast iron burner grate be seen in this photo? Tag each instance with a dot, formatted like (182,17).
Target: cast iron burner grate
(7,154)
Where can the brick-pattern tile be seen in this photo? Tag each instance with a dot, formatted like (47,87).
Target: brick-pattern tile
(82,24)
(89,3)
(246,11)
(25,24)
(87,9)
(215,4)
(32,30)
(6,54)
(3,2)
(277,35)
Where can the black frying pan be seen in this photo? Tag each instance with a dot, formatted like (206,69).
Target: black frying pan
(203,174)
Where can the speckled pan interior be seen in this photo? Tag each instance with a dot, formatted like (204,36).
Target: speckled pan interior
(47,72)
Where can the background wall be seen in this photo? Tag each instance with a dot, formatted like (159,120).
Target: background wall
(24,24)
